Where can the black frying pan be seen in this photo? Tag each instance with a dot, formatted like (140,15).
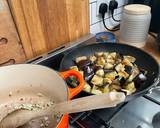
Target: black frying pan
(143,60)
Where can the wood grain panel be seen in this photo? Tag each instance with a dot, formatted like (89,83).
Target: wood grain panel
(54,22)
(11,49)
(17,12)
(78,17)
(47,24)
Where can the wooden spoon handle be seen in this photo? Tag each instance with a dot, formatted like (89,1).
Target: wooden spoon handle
(76,105)
(90,103)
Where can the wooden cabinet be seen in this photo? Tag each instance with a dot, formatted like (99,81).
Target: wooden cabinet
(46,24)
(11,50)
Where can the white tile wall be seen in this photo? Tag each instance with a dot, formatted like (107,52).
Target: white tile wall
(96,24)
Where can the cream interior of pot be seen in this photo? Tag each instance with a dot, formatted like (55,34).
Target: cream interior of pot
(26,83)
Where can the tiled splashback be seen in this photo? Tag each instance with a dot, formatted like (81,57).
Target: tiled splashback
(96,24)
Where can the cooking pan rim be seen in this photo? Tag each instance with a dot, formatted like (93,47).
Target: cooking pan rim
(144,91)
(108,43)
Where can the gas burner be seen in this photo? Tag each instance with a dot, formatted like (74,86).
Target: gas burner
(156,120)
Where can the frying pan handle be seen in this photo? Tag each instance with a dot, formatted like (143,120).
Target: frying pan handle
(74,91)
(155,85)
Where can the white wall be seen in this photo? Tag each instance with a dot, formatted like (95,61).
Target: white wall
(96,24)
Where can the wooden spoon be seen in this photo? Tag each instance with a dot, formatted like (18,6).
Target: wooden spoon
(77,105)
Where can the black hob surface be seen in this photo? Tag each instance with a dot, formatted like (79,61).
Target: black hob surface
(143,112)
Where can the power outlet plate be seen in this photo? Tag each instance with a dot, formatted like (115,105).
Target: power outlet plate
(99,2)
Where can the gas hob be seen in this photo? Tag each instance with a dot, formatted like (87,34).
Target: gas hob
(143,112)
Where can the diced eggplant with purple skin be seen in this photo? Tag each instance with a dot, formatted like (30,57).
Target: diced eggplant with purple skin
(100,72)
(97,80)
(87,88)
(115,87)
(93,58)
(143,71)
(95,67)
(108,70)
(128,69)
(139,79)
(130,87)
(135,72)
(119,58)
(122,80)
(78,59)
(88,73)
(108,66)
(130,58)
(83,63)
(101,61)
(120,67)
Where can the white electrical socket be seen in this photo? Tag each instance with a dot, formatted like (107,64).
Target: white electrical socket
(99,2)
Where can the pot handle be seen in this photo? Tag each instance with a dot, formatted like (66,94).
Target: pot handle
(74,91)
(155,85)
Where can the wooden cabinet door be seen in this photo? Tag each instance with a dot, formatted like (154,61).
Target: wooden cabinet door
(46,24)
(11,50)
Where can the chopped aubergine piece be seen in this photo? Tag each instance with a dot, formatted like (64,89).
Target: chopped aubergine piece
(108,71)
(101,61)
(96,92)
(105,89)
(135,72)
(130,58)
(111,75)
(111,61)
(113,54)
(105,54)
(119,58)
(129,86)
(121,80)
(95,67)
(74,68)
(116,82)
(108,66)
(80,58)
(110,57)
(107,81)
(101,66)
(123,74)
(142,77)
(114,86)
(100,72)
(87,88)
(92,58)
(120,67)
(97,80)
(139,79)
(128,69)
(114,90)
(127,62)
(72,81)
(143,71)
(83,63)
(98,54)
(127,92)
(88,73)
